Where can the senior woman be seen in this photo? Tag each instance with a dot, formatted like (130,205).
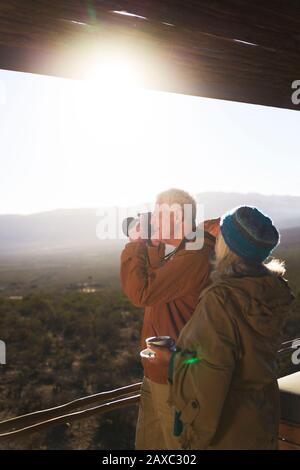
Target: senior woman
(222,377)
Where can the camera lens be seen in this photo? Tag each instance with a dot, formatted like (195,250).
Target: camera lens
(145,225)
(128,223)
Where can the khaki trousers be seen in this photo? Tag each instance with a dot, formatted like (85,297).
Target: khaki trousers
(155,422)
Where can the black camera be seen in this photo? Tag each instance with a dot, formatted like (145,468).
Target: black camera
(144,219)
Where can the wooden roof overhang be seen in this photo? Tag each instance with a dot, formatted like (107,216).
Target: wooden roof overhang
(247,51)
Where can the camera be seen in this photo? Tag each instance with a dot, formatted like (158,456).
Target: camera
(144,219)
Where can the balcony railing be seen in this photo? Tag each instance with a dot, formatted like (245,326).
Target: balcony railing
(39,420)
(104,402)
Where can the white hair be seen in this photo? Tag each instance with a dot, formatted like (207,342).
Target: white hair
(175,196)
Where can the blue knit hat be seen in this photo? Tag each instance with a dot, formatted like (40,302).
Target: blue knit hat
(249,233)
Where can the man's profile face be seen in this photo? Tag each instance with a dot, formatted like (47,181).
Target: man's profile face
(167,223)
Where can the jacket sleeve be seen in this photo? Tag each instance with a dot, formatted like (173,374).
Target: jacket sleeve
(155,255)
(146,286)
(202,371)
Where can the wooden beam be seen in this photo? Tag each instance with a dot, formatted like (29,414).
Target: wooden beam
(188,47)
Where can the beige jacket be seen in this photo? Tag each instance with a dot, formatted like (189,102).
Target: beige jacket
(224,373)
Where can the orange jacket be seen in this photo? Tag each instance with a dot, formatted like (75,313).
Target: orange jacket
(169,290)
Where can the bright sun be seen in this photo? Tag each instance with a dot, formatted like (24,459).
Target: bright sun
(115,75)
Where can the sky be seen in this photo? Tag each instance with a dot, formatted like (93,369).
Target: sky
(67,143)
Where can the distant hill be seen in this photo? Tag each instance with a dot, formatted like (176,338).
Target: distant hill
(54,231)
(290,237)
(284,210)
(72,229)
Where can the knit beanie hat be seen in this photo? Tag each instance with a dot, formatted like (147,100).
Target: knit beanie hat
(249,233)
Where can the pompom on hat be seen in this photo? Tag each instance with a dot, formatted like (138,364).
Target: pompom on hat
(249,233)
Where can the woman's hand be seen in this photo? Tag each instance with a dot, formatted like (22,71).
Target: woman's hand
(162,355)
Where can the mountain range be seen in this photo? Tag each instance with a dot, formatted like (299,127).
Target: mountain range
(70,229)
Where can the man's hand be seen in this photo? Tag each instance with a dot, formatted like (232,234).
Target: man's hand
(134,234)
(154,242)
(155,239)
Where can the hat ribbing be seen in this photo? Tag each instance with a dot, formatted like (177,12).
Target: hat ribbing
(249,233)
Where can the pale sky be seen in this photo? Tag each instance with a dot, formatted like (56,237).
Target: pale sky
(68,143)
